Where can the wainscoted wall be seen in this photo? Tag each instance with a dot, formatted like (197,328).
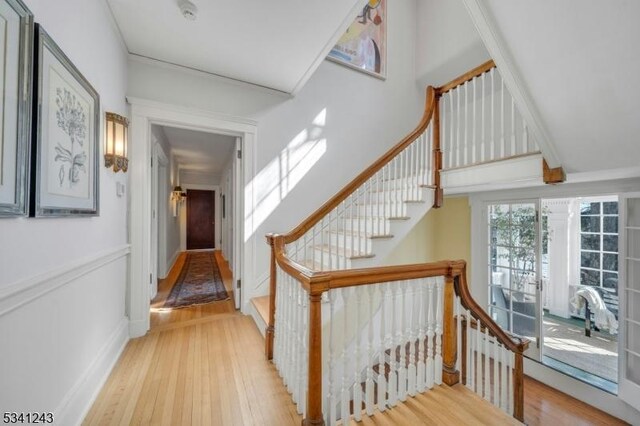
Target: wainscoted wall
(63,281)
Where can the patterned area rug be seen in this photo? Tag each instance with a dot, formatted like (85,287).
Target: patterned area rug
(199,282)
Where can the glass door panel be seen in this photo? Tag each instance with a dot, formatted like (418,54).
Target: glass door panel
(629,368)
(514,264)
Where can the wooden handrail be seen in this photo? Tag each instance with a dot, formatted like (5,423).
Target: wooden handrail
(327,207)
(468,76)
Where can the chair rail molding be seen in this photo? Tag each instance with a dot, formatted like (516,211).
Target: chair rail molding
(145,113)
(20,293)
(486,27)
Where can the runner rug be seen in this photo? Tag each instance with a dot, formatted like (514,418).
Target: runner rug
(199,282)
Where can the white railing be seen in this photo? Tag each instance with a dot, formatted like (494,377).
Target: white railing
(481,123)
(346,232)
(291,340)
(487,366)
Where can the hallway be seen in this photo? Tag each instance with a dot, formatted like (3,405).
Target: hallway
(198,365)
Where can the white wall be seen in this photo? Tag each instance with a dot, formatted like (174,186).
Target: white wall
(62,281)
(364,116)
(449,44)
(172,225)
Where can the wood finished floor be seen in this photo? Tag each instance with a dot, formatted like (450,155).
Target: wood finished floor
(205,365)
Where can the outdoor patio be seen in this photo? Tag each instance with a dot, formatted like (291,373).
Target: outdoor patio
(564,341)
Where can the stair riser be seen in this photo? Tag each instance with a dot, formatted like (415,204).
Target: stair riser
(338,262)
(392,209)
(360,244)
(408,194)
(376,226)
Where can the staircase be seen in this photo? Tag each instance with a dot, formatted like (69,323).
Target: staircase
(350,338)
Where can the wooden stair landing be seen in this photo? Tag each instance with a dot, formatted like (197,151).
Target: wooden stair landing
(262,307)
(441,406)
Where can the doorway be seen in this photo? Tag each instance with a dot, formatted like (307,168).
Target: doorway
(201,230)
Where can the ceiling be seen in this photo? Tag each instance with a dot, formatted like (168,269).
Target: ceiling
(580,62)
(199,152)
(276,44)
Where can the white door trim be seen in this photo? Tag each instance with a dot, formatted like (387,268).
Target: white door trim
(144,113)
(158,220)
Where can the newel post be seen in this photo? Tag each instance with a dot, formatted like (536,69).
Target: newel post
(269,333)
(314,392)
(437,155)
(450,375)
(518,386)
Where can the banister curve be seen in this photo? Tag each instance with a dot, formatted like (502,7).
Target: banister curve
(316,216)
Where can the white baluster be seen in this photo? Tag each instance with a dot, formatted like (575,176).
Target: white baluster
(525,137)
(502,124)
(415,305)
(382,380)
(510,363)
(357,385)
(513,126)
(344,394)
(380,196)
(402,371)
(478,359)
(393,365)
(473,127)
(496,369)
(486,375)
(304,354)
(503,378)
(439,313)
(331,387)
(430,335)
(451,133)
(458,332)
(369,386)
(444,129)
(483,146)
(466,125)
(458,123)
(470,371)
(422,319)
(492,152)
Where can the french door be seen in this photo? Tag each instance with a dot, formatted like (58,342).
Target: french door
(629,337)
(513,262)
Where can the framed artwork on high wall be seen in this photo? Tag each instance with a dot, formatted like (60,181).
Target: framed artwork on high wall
(16,29)
(66,146)
(364,45)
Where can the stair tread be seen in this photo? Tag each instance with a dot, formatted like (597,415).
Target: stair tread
(361,234)
(348,253)
(377,217)
(262,307)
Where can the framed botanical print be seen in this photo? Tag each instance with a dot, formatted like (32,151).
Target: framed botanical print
(66,144)
(364,45)
(16,47)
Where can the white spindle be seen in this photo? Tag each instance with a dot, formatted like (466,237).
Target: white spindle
(473,127)
(492,153)
(368,390)
(344,394)
(451,132)
(466,125)
(422,319)
(357,386)
(430,337)
(510,363)
(478,359)
(503,378)
(470,371)
(395,337)
(486,377)
(482,118)
(330,417)
(458,122)
(502,124)
(525,137)
(496,370)
(439,313)
(402,371)
(513,126)
(384,344)
(459,333)
(415,304)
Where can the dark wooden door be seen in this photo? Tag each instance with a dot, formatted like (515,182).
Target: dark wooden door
(200,219)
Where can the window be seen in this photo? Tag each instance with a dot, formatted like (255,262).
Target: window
(599,244)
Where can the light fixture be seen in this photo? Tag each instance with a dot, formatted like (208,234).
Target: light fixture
(116,144)
(189,10)
(176,194)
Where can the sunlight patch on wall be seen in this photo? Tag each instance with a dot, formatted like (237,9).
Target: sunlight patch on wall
(281,175)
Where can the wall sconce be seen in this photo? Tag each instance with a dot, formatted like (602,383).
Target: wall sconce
(178,194)
(116,144)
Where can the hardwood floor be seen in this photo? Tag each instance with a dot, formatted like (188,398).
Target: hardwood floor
(205,366)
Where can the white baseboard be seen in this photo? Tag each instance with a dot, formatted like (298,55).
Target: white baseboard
(78,401)
(172,262)
(138,328)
